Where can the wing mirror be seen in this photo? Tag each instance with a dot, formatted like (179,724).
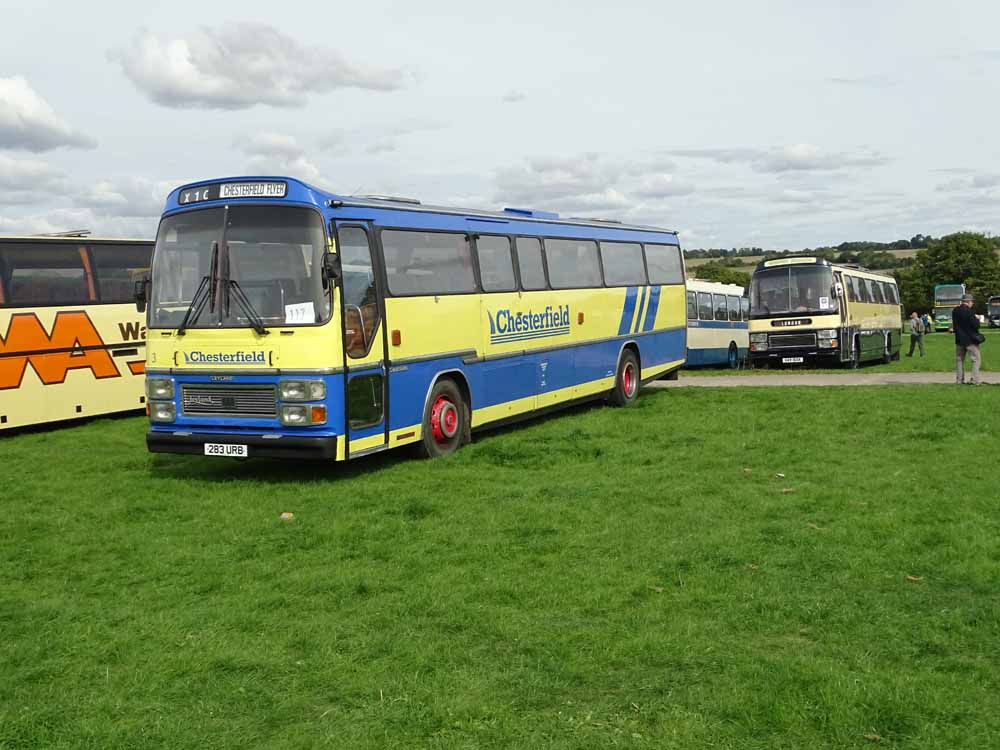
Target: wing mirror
(838,289)
(331,269)
(141,294)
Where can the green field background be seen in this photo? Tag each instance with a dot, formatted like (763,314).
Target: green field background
(740,568)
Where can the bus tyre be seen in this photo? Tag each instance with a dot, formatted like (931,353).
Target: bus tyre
(734,356)
(887,355)
(446,421)
(627,381)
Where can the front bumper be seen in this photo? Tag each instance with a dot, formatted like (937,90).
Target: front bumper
(809,355)
(284,446)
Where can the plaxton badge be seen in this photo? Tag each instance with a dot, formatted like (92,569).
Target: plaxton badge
(225,358)
(228,190)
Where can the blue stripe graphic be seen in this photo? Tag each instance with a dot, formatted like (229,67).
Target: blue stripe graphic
(654,303)
(638,319)
(628,311)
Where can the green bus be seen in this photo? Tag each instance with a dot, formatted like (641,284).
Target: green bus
(946,298)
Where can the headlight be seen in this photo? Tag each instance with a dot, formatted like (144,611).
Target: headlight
(162,411)
(758,347)
(159,388)
(827,343)
(758,338)
(299,415)
(829,333)
(302,390)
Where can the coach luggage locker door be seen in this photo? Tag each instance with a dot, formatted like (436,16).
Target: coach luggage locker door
(364,341)
(845,327)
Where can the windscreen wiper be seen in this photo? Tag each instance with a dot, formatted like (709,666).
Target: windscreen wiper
(248,309)
(205,292)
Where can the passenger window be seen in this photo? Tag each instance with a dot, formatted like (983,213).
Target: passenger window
(692,305)
(664,264)
(622,264)
(877,293)
(745,308)
(37,274)
(734,308)
(705,306)
(117,268)
(864,291)
(427,263)
(529,263)
(852,289)
(572,264)
(361,312)
(720,307)
(893,293)
(364,401)
(496,267)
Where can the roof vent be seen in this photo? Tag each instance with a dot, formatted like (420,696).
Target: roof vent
(70,233)
(530,214)
(391,199)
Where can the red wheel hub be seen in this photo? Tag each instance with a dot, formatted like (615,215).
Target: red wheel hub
(444,420)
(628,380)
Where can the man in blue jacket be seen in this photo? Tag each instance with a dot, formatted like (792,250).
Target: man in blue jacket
(965,324)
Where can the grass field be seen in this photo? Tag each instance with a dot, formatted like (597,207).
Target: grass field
(708,569)
(939,357)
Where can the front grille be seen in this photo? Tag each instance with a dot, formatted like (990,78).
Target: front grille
(230,400)
(783,340)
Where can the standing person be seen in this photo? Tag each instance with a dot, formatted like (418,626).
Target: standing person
(967,339)
(928,323)
(916,334)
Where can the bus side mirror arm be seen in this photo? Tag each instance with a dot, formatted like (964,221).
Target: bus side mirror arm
(141,296)
(331,269)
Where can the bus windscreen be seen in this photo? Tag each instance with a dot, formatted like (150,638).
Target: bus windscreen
(802,289)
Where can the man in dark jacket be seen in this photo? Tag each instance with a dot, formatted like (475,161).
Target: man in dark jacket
(966,326)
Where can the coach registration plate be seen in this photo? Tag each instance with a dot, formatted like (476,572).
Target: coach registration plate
(230,450)
(784,361)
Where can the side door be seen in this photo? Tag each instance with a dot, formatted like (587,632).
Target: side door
(363,316)
(845,297)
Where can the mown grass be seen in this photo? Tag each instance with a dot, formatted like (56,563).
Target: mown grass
(939,357)
(741,568)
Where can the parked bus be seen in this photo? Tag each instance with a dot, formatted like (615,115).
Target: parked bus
(290,322)
(71,343)
(946,298)
(993,312)
(809,310)
(717,316)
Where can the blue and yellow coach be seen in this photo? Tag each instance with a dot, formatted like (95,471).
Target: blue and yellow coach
(285,321)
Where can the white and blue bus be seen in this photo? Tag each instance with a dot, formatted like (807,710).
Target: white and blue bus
(717,316)
(286,321)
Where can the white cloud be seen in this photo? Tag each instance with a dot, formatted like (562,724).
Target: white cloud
(592,184)
(976,181)
(513,97)
(792,158)
(27,181)
(65,219)
(126,197)
(237,65)
(280,154)
(28,122)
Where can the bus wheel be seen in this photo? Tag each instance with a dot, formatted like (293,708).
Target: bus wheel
(445,420)
(887,355)
(627,382)
(855,362)
(734,356)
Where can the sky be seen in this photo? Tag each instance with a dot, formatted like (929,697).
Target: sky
(781,125)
